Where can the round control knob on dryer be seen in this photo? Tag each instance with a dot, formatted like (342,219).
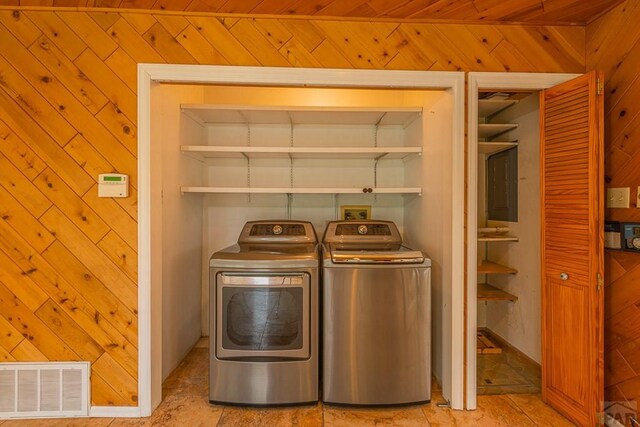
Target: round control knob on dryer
(277,229)
(362,229)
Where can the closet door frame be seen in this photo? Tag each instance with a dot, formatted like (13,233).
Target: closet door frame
(485,81)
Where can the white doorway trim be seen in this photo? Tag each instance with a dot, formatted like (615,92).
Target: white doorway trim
(475,82)
(150,303)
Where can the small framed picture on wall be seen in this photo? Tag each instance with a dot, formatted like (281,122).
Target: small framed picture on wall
(355,213)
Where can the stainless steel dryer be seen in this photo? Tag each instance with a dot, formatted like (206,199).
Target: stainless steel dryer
(376,316)
(264,316)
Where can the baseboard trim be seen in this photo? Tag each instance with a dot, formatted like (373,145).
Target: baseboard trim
(114,412)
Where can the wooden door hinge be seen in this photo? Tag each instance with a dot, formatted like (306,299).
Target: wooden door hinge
(599,87)
(600,281)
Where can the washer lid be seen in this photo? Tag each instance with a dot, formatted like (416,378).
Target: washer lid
(402,256)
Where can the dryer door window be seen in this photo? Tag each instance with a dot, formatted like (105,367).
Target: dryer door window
(262,316)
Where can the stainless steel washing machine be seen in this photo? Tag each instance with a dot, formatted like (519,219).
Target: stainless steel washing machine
(264,316)
(376,316)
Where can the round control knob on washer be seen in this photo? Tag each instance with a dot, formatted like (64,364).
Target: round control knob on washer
(277,229)
(362,229)
(636,242)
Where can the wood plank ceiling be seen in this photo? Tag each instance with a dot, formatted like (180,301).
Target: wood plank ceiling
(531,11)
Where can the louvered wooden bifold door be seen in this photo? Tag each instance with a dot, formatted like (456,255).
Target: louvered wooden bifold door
(571,164)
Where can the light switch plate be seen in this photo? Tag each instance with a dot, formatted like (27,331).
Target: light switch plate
(618,197)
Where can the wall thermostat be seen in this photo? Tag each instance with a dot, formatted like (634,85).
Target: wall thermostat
(113,185)
(631,236)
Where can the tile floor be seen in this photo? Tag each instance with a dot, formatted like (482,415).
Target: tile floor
(186,404)
(509,372)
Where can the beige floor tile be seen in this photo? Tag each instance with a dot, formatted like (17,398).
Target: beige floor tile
(538,411)
(178,410)
(407,416)
(303,416)
(492,411)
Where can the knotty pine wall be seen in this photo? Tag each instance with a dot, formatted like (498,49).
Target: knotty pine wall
(68,112)
(613,45)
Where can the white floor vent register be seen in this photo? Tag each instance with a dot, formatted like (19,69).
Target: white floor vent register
(34,390)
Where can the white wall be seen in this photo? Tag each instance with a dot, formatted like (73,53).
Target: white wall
(181,222)
(428,220)
(519,322)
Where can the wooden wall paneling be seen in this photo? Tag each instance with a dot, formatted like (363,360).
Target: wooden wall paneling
(72,205)
(103,393)
(90,33)
(620,294)
(141,22)
(259,47)
(33,329)
(175,24)
(25,31)
(104,19)
(215,33)
(199,48)
(69,332)
(107,304)
(559,11)
(128,39)
(305,33)
(297,55)
(19,154)
(168,47)
(112,86)
(113,118)
(68,74)
(5,356)
(125,67)
(20,284)
(120,380)
(58,32)
(87,156)
(617,369)
(72,302)
(121,254)
(117,218)
(27,352)
(68,111)
(10,336)
(330,56)
(91,256)
(21,188)
(33,102)
(21,220)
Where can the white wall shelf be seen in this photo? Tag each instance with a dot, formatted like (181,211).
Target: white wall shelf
(220,114)
(207,151)
(489,107)
(299,190)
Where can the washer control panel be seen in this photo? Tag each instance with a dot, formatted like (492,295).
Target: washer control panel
(369,231)
(284,231)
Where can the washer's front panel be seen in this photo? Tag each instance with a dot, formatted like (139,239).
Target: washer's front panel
(376,346)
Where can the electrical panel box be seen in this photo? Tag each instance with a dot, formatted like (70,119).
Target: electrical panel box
(113,185)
